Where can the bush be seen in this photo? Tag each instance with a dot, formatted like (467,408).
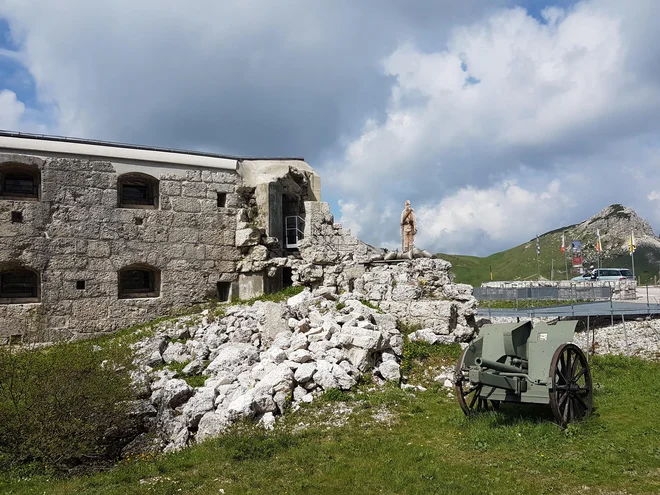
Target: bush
(63,405)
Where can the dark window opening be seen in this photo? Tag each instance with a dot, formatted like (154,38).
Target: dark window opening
(16,217)
(287,276)
(139,282)
(19,183)
(80,284)
(224,291)
(16,339)
(222,200)
(137,191)
(19,285)
(138,221)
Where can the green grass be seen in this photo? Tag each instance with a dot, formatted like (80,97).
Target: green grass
(280,296)
(429,447)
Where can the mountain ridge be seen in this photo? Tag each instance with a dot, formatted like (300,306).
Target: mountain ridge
(615,223)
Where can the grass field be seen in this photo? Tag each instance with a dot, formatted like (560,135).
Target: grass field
(419,443)
(519,263)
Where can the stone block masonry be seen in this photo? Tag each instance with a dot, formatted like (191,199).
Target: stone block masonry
(76,238)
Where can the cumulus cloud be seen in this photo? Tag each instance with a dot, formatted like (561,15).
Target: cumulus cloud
(11,110)
(250,77)
(496,124)
(471,130)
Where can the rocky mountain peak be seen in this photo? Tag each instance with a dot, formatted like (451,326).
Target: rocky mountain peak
(616,221)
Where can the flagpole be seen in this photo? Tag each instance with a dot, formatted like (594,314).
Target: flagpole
(563,251)
(538,260)
(632,252)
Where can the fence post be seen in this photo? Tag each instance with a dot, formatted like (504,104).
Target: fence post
(625,334)
(587,337)
(489,314)
(611,308)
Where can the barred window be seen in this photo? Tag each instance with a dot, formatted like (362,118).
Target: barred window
(137,191)
(19,182)
(19,285)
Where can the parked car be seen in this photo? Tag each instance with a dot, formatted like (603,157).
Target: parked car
(605,274)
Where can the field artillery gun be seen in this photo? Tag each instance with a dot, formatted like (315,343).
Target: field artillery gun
(521,363)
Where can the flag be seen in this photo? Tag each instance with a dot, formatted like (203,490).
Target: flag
(599,246)
(563,242)
(633,246)
(538,245)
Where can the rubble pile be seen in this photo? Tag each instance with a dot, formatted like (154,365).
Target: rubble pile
(325,342)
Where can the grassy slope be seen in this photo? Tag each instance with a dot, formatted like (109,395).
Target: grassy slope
(519,263)
(431,448)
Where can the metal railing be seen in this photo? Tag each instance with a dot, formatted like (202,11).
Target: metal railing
(569,293)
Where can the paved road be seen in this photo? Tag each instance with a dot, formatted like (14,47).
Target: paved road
(584,309)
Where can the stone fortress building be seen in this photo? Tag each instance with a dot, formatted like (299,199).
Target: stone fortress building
(96,236)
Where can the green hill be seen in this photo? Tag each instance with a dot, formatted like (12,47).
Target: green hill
(519,263)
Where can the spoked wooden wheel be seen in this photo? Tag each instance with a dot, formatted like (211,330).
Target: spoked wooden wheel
(468,395)
(571,392)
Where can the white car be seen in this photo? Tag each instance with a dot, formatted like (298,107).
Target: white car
(605,274)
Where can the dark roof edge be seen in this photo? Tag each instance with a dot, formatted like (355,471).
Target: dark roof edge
(110,144)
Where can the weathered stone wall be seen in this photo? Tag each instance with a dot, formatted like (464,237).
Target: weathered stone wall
(77,232)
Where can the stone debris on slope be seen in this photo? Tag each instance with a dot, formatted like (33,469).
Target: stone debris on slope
(326,343)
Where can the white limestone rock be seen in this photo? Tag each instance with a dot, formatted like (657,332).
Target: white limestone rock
(360,337)
(198,405)
(275,354)
(300,356)
(305,372)
(267,421)
(344,380)
(390,370)
(242,406)
(212,424)
(324,377)
(194,367)
(234,358)
(176,352)
(298,341)
(298,299)
(175,392)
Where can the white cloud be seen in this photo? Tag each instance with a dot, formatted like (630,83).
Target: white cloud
(516,127)
(494,124)
(11,110)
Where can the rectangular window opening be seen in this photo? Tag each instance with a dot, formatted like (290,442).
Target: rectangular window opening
(16,339)
(19,285)
(80,285)
(16,217)
(138,283)
(224,291)
(138,221)
(222,200)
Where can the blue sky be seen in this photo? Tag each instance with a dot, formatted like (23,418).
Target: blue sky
(493,117)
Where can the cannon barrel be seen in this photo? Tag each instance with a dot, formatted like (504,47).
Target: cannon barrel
(494,365)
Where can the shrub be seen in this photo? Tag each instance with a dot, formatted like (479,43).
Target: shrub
(335,395)
(371,305)
(63,405)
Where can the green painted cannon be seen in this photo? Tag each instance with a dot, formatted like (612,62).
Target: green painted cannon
(518,362)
